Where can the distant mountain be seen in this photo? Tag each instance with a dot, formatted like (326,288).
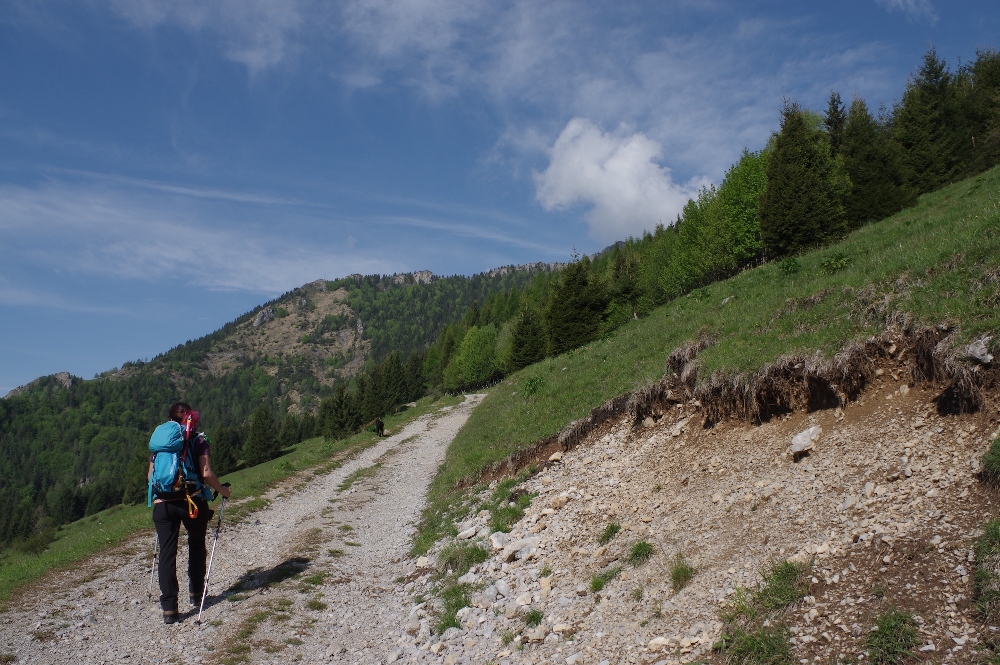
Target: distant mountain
(71,447)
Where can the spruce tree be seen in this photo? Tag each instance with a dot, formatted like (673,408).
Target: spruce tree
(224,444)
(262,442)
(835,121)
(981,103)
(872,162)
(802,203)
(290,428)
(929,127)
(528,339)
(576,310)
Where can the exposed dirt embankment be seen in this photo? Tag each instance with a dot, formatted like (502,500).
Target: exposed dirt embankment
(884,510)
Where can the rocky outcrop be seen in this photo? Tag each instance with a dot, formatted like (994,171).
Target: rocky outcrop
(263,316)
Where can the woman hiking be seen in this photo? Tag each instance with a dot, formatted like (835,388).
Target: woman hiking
(184,500)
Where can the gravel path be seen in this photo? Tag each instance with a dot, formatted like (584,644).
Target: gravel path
(317,576)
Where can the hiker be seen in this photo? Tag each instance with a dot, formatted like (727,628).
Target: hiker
(379,427)
(188,505)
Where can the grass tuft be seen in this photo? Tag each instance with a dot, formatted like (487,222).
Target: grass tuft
(752,631)
(991,464)
(681,572)
(610,531)
(893,639)
(533,619)
(459,557)
(765,645)
(598,581)
(640,553)
(986,581)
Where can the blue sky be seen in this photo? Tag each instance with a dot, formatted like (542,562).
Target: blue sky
(166,165)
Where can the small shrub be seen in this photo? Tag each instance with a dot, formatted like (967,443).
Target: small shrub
(506,636)
(294,641)
(315,604)
(533,385)
(834,263)
(610,531)
(789,266)
(598,581)
(893,638)
(640,553)
(681,573)
(637,594)
(335,552)
(533,618)
(545,571)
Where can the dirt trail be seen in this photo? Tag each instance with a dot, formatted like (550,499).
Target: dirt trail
(312,577)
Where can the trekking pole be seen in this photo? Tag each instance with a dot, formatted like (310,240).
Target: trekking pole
(208,573)
(152,567)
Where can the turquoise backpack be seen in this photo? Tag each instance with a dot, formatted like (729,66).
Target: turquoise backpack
(174,474)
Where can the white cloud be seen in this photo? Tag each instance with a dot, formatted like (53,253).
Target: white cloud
(916,9)
(618,174)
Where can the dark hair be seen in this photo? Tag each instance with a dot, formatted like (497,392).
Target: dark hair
(179,410)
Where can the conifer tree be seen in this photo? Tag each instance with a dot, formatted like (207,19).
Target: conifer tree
(262,442)
(981,103)
(290,428)
(575,313)
(802,204)
(528,339)
(872,162)
(929,127)
(223,450)
(835,121)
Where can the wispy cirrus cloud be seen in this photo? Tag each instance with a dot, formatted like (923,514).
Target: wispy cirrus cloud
(920,10)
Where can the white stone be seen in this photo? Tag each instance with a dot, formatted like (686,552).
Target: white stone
(806,439)
(658,643)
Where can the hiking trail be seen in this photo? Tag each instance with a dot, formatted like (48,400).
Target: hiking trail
(313,576)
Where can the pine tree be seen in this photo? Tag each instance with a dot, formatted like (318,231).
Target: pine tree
(262,442)
(802,204)
(872,162)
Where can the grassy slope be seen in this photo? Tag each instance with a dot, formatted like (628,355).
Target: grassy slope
(113,526)
(936,262)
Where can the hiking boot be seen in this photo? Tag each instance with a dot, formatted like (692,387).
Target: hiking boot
(169,616)
(195,599)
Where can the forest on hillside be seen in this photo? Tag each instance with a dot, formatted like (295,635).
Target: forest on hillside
(71,452)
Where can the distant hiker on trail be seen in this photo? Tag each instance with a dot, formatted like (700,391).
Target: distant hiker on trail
(379,427)
(181,481)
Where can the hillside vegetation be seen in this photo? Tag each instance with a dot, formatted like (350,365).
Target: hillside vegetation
(937,263)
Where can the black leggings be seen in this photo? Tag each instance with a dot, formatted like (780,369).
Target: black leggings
(167,517)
